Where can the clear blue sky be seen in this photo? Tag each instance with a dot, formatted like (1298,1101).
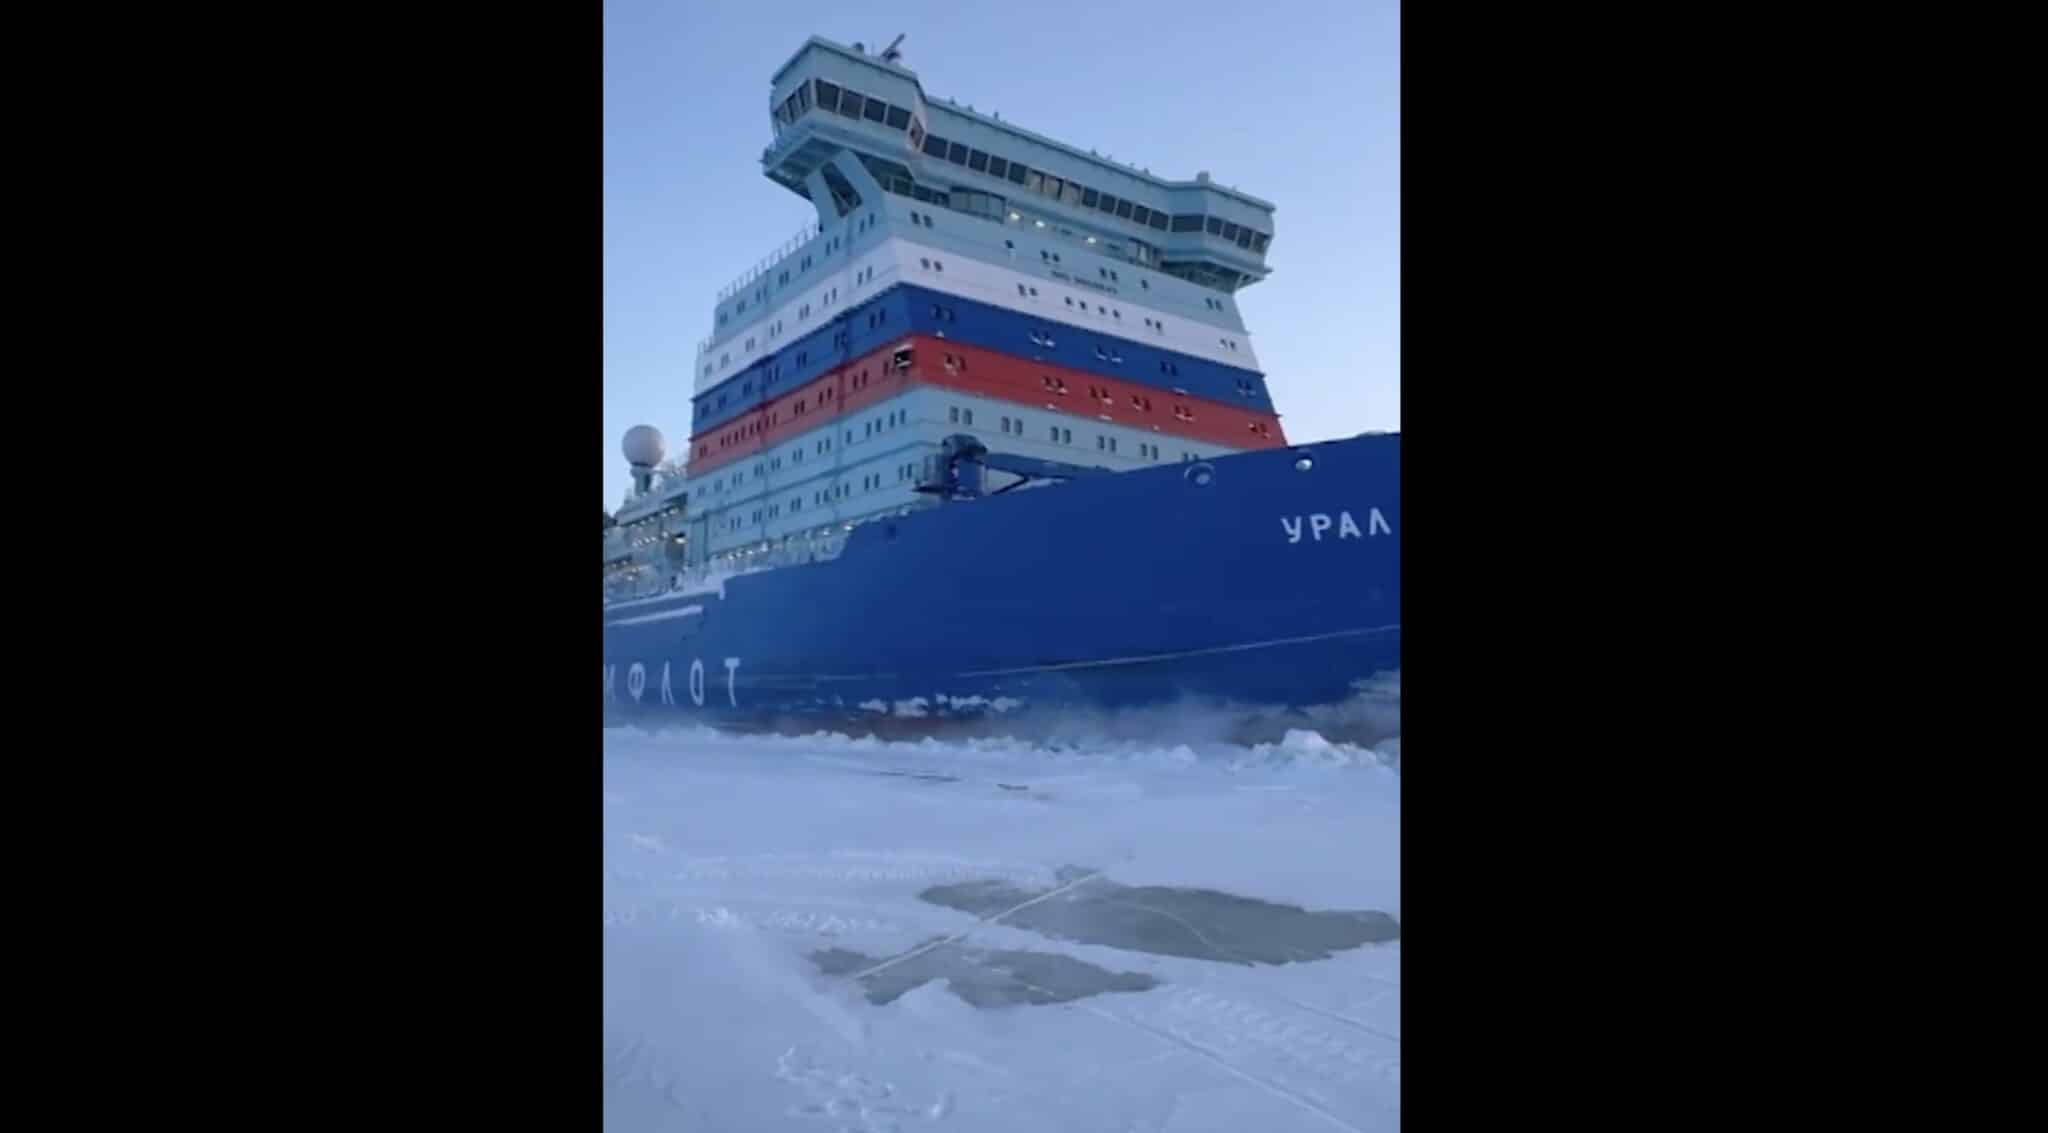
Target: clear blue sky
(1294,102)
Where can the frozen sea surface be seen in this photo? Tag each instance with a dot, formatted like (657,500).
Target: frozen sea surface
(821,934)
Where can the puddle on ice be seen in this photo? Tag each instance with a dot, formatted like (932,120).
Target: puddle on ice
(984,977)
(1201,924)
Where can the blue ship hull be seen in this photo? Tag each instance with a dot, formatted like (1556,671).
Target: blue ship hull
(1247,580)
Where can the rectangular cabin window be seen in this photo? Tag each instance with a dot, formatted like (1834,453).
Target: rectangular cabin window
(1143,215)
(875,110)
(1123,210)
(1214,225)
(1106,203)
(828,95)
(977,161)
(934,146)
(956,153)
(997,167)
(850,103)
(1090,198)
(1229,231)
(1020,173)
(899,118)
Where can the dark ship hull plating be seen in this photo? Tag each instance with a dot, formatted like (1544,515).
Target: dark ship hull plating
(1267,578)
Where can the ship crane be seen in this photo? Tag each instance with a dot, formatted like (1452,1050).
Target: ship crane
(963,461)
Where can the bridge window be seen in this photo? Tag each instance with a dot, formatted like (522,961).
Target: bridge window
(899,118)
(977,161)
(997,167)
(956,153)
(828,95)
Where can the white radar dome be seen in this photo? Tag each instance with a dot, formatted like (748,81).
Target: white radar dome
(644,445)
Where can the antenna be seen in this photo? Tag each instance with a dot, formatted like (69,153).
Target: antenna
(889,53)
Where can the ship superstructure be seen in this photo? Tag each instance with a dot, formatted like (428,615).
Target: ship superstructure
(964,275)
(989,436)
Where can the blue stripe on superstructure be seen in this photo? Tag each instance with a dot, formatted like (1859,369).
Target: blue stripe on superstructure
(908,309)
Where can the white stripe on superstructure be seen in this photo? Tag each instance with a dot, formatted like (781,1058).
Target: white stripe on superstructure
(897,260)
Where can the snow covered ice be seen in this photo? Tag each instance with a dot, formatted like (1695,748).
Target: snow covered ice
(823,933)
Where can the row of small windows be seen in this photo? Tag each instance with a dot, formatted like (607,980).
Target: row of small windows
(1010,426)
(761,293)
(925,220)
(725,360)
(955,364)
(1099,308)
(1072,193)
(841,100)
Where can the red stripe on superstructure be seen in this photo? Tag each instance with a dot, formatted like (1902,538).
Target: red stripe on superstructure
(1072,394)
